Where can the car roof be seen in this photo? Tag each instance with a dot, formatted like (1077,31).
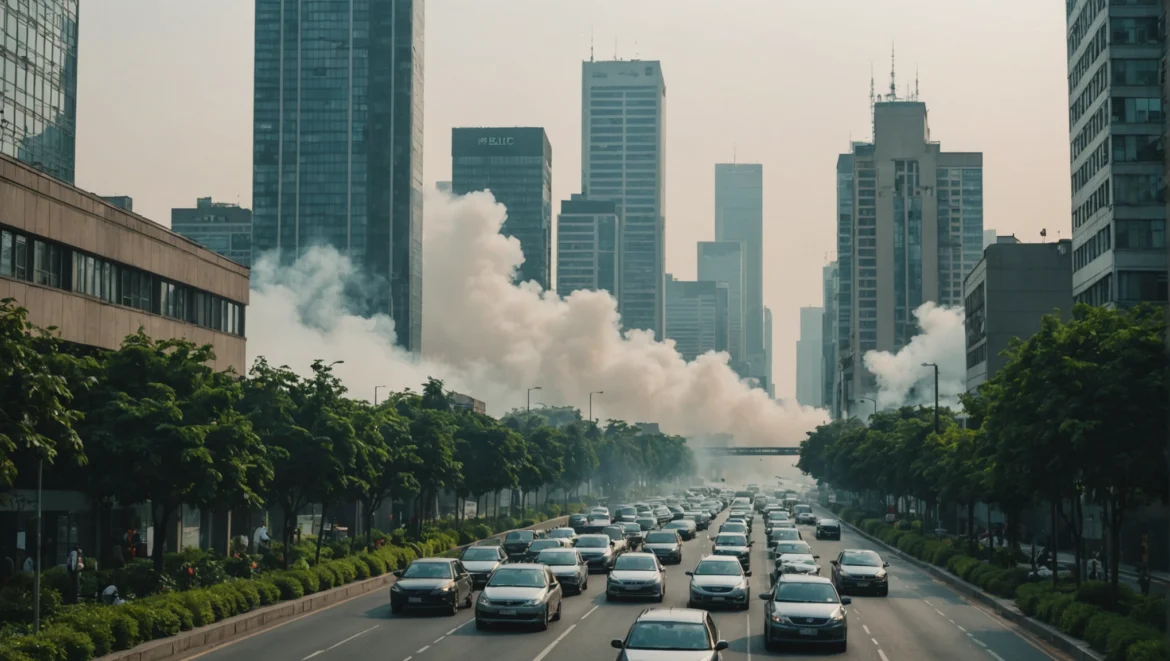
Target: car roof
(445,561)
(673,615)
(828,520)
(719,558)
(803,578)
(524,565)
(638,555)
(592,534)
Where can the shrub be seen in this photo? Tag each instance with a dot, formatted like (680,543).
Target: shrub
(1007,582)
(37,648)
(1052,606)
(1102,594)
(290,588)
(326,576)
(74,645)
(1098,628)
(376,564)
(93,622)
(125,628)
(361,569)
(172,605)
(243,566)
(233,599)
(16,603)
(10,654)
(139,579)
(943,554)
(343,570)
(249,591)
(308,580)
(962,565)
(1148,650)
(1150,611)
(1028,596)
(269,593)
(199,602)
(1076,617)
(1126,633)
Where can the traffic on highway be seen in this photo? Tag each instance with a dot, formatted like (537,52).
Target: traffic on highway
(704,573)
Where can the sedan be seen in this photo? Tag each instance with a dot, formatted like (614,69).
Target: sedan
(481,561)
(666,544)
(860,570)
(520,594)
(804,610)
(636,575)
(564,533)
(783,535)
(828,529)
(598,551)
(719,581)
(618,534)
(569,568)
(516,543)
(539,545)
(702,521)
(578,521)
(736,545)
(734,526)
(431,584)
(633,535)
(686,528)
(647,523)
(671,633)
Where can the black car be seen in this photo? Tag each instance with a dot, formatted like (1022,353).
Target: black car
(539,545)
(432,584)
(828,529)
(578,521)
(860,570)
(517,542)
(481,561)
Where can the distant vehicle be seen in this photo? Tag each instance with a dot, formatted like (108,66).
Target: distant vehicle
(563,533)
(569,568)
(647,523)
(734,526)
(617,533)
(719,581)
(598,551)
(432,584)
(736,545)
(626,514)
(481,561)
(636,575)
(666,544)
(662,633)
(746,494)
(687,529)
(860,570)
(794,558)
(783,535)
(539,545)
(828,529)
(702,519)
(524,593)
(578,521)
(804,610)
(804,514)
(517,542)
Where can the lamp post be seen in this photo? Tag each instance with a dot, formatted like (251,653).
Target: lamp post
(935,366)
(868,399)
(376,394)
(37,551)
(529,406)
(595,392)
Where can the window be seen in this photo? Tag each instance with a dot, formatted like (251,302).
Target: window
(1141,286)
(1141,234)
(1135,72)
(6,252)
(1137,148)
(1142,30)
(20,258)
(47,267)
(1139,189)
(1137,110)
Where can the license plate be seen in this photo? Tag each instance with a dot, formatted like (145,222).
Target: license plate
(808,632)
(416,600)
(718,598)
(633,588)
(863,584)
(507,612)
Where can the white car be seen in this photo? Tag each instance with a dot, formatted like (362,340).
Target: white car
(636,575)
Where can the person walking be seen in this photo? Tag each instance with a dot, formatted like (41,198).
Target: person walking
(1094,568)
(74,566)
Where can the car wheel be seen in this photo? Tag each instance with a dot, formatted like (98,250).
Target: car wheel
(557,615)
(467,603)
(543,626)
(454,606)
(585,584)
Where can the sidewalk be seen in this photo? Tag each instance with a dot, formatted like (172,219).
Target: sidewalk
(1159,580)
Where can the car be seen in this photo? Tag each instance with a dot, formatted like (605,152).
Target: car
(666,544)
(598,551)
(647,523)
(564,533)
(633,535)
(442,584)
(734,526)
(860,570)
(664,514)
(539,545)
(805,610)
(676,512)
(783,535)
(578,521)
(671,633)
(600,511)
(804,514)
(828,529)
(760,503)
(719,580)
(598,520)
(516,543)
(636,575)
(525,593)
(481,561)
(794,558)
(702,519)
(686,528)
(617,533)
(569,568)
(736,545)
(625,514)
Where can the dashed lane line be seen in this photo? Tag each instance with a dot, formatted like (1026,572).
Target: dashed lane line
(545,651)
(997,657)
(336,645)
(883,655)
(422,649)
(961,628)
(590,612)
(875,642)
(866,627)
(313,655)
(939,612)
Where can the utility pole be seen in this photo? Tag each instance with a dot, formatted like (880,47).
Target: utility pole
(595,392)
(529,406)
(376,394)
(869,399)
(935,366)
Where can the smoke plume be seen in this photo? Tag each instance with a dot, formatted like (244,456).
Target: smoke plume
(901,377)
(492,339)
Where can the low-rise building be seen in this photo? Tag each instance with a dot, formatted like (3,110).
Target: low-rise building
(468,403)
(223,227)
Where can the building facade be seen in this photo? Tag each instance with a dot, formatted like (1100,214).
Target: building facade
(38,84)
(723,261)
(123,202)
(623,154)
(515,164)
(769,384)
(915,225)
(1117,117)
(338,144)
(697,316)
(219,226)
(829,371)
(988,238)
(1007,294)
(444,187)
(809,377)
(739,216)
(588,236)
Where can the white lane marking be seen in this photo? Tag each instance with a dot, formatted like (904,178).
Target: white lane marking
(313,655)
(951,621)
(438,640)
(961,628)
(422,649)
(997,657)
(866,628)
(939,612)
(883,655)
(875,642)
(590,612)
(553,644)
(335,645)
(981,643)
(408,658)
(748,633)
(928,602)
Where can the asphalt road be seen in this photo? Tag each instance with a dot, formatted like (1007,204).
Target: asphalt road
(920,620)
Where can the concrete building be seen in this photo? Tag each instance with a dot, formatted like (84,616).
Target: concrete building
(1117,117)
(1007,294)
(515,164)
(739,216)
(444,186)
(915,228)
(588,236)
(769,384)
(338,144)
(38,84)
(829,371)
(468,403)
(988,238)
(809,375)
(697,318)
(723,261)
(623,106)
(123,202)
(220,226)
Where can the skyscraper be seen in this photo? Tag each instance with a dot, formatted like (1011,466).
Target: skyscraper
(337,144)
(739,216)
(914,222)
(696,316)
(1116,121)
(622,156)
(515,164)
(723,261)
(218,226)
(829,370)
(767,381)
(38,84)
(809,382)
(588,233)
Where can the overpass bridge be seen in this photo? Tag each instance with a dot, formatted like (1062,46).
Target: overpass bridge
(765,451)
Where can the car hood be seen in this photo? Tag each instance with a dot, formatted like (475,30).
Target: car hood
(668,655)
(480,566)
(861,570)
(591,551)
(565,570)
(634,575)
(796,610)
(660,547)
(731,549)
(717,581)
(421,583)
(512,594)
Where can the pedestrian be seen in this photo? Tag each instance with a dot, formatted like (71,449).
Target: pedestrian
(1094,568)
(74,566)
(1144,580)
(28,565)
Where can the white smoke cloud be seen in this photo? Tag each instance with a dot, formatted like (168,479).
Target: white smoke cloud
(488,338)
(902,379)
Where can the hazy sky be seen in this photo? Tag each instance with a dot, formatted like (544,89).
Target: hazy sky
(165,104)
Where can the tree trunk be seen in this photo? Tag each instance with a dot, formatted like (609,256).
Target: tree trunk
(1053,547)
(1078,532)
(369,525)
(286,533)
(161,514)
(320,533)
(1116,516)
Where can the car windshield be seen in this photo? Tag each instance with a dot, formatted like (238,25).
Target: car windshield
(831,523)
(592,542)
(561,533)
(660,538)
(731,540)
(627,511)
(615,533)
(781,534)
(557,557)
(428,570)
(803,509)
(632,527)
(861,558)
(517,578)
(477,554)
(806,593)
(733,527)
(669,636)
(718,568)
(792,547)
(677,525)
(635,563)
(544,544)
(520,536)
(797,559)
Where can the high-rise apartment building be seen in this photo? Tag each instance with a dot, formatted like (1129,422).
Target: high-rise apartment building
(829,369)
(914,226)
(622,159)
(218,226)
(696,316)
(1117,117)
(515,164)
(739,216)
(338,144)
(38,84)
(769,384)
(843,309)
(588,235)
(809,375)
(723,261)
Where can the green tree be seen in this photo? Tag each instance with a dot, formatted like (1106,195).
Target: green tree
(387,460)
(491,455)
(432,426)
(545,463)
(580,458)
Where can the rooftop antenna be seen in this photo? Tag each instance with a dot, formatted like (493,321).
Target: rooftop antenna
(590,43)
(871,102)
(615,47)
(915,82)
(893,86)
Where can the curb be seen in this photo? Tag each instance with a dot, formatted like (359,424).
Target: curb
(1076,649)
(202,639)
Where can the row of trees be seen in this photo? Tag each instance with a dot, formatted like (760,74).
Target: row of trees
(1079,414)
(153,423)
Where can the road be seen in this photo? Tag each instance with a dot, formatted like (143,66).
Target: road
(920,619)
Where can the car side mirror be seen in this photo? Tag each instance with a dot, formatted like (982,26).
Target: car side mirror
(721,645)
(833,562)
(751,542)
(816,557)
(748,573)
(885,564)
(690,573)
(845,601)
(398,573)
(616,643)
(765,596)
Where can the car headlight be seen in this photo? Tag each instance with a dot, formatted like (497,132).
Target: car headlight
(842,573)
(534,602)
(484,600)
(446,588)
(780,618)
(881,575)
(838,615)
(395,588)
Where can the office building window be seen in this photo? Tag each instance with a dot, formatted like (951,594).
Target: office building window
(1141,234)
(1134,286)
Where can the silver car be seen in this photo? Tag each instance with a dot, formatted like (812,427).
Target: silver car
(804,610)
(666,544)
(679,634)
(569,568)
(719,580)
(481,561)
(735,545)
(598,551)
(564,533)
(636,575)
(519,594)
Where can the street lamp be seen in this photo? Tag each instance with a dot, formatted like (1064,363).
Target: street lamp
(595,392)
(868,399)
(530,396)
(376,394)
(935,366)
(336,362)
